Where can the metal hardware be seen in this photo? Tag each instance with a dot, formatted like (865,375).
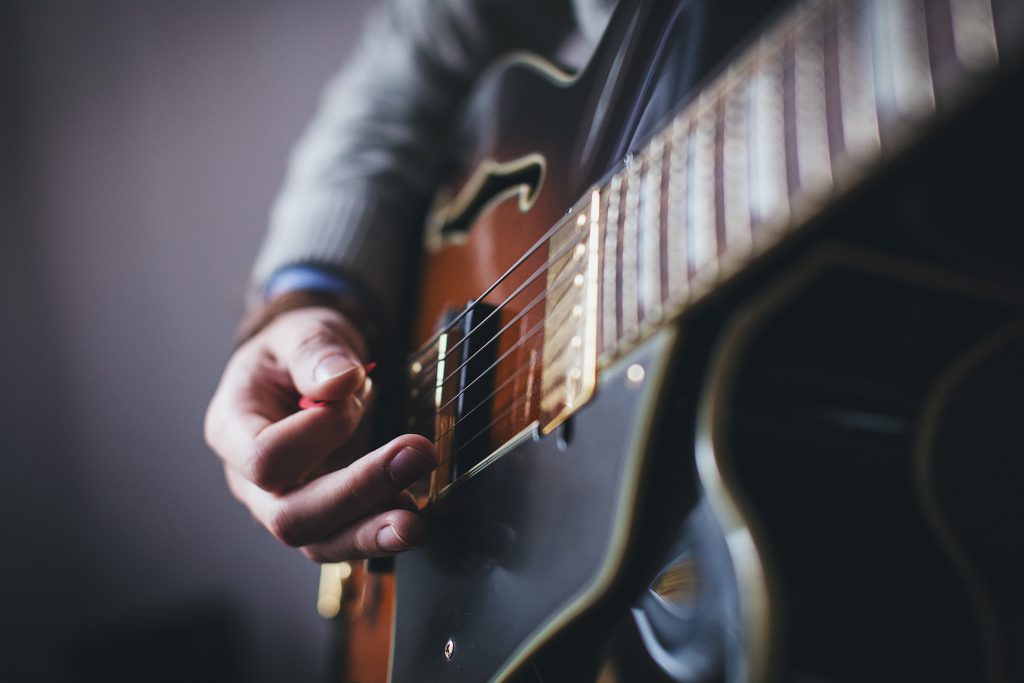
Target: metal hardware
(569,375)
(449,650)
(444,420)
(333,578)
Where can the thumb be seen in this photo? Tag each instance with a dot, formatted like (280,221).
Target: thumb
(318,354)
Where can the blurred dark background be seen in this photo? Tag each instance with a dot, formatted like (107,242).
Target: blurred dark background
(141,143)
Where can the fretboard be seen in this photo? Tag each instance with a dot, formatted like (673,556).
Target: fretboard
(800,117)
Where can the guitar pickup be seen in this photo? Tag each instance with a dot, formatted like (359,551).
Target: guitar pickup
(464,393)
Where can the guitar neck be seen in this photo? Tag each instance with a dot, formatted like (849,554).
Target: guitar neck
(801,116)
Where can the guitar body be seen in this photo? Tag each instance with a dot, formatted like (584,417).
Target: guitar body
(538,538)
(809,475)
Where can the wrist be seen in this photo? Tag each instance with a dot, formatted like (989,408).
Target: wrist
(353,310)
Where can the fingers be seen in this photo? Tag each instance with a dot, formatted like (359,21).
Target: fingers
(249,426)
(331,512)
(252,421)
(377,536)
(272,451)
(320,353)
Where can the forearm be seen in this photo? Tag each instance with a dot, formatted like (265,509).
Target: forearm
(361,177)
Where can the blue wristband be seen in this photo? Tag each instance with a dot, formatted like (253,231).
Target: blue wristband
(310,278)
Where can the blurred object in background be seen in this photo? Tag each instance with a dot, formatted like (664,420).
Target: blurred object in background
(198,643)
(141,144)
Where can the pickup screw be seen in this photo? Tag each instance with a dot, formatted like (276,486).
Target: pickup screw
(635,374)
(449,650)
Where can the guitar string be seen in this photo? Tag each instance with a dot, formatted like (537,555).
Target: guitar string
(496,416)
(536,329)
(496,419)
(542,296)
(482,402)
(533,332)
(514,403)
(427,346)
(687,112)
(426,374)
(536,300)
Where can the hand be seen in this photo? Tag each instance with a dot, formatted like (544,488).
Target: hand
(278,461)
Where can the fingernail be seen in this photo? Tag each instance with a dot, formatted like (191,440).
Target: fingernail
(388,540)
(409,465)
(332,366)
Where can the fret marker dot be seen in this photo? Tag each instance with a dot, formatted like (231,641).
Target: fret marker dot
(581,220)
(635,374)
(581,249)
(578,280)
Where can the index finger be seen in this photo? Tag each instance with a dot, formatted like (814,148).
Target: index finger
(251,425)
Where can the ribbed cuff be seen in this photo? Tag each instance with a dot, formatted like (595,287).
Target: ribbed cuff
(346,233)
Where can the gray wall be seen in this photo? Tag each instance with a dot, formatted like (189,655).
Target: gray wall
(142,143)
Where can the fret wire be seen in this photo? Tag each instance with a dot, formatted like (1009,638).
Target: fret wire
(630,252)
(676,234)
(861,140)
(664,174)
(620,229)
(814,165)
(736,202)
(974,35)
(650,232)
(602,229)
(903,82)
(717,113)
(701,214)
(769,190)
(609,279)
(830,81)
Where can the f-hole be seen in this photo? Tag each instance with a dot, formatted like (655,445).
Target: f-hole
(491,183)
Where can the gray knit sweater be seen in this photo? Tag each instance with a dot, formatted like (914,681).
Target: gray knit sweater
(363,173)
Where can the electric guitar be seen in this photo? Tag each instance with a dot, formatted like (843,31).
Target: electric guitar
(737,394)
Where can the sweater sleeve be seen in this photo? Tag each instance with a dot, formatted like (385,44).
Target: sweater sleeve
(363,173)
